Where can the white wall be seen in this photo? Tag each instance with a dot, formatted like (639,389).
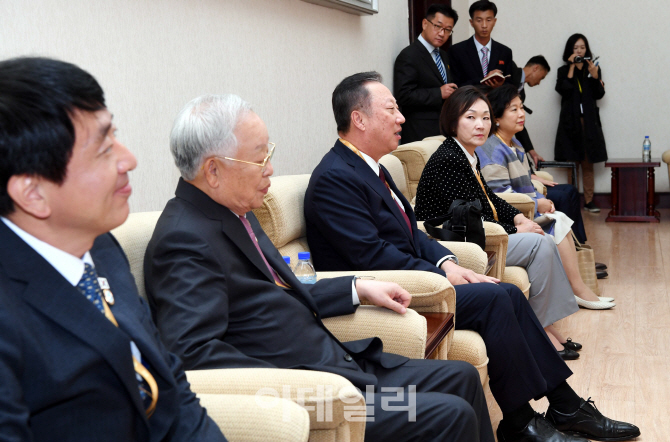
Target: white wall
(151,57)
(631,39)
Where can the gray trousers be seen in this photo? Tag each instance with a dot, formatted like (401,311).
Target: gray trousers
(551,296)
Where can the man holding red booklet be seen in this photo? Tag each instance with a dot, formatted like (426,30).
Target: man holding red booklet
(480,59)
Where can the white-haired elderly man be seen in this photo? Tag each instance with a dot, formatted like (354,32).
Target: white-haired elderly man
(223,297)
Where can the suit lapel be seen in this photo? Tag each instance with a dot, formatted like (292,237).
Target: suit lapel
(495,56)
(371,179)
(51,294)
(429,61)
(473,56)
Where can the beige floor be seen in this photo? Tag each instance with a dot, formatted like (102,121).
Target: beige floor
(625,363)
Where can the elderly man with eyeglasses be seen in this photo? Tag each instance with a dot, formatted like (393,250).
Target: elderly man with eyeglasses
(421,76)
(223,297)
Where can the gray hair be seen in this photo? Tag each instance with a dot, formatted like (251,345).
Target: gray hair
(204,127)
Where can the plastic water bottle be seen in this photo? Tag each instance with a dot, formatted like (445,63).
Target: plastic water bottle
(646,149)
(287,260)
(304,270)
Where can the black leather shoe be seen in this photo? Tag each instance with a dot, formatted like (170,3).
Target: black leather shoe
(600,266)
(576,346)
(601,274)
(587,421)
(568,354)
(537,430)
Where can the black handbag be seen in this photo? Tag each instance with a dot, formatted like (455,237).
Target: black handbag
(463,222)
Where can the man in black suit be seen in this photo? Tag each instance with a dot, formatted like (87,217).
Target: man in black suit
(70,357)
(478,57)
(421,75)
(358,219)
(223,297)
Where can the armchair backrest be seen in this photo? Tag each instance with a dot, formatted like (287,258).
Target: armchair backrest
(414,157)
(134,236)
(398,173)
(282,214)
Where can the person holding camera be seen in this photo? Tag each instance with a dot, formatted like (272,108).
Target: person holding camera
(579,137)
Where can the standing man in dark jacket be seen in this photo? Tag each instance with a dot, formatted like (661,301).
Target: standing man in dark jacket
(480,56)
(421,75)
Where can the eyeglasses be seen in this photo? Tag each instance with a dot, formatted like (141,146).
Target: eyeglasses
(439,28)
(262,165)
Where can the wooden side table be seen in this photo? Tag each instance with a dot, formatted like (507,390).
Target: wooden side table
(633,190)
(438,326)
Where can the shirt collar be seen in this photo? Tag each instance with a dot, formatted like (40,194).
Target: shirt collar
(372,163)
(69,266)
(471,159)
(428,46)
(479,46)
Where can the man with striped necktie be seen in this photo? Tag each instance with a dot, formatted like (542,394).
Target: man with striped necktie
(421,76)
(80,359)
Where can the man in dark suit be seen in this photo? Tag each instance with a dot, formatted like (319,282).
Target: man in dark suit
(223,297)
(358,219)
(75,366)
(421,75)
(478,57)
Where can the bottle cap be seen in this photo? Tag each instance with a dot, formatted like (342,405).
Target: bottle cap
(303,255)
(646,136)
(287,259)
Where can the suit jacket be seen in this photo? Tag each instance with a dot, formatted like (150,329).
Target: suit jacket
(523,137)
(66,370)
(467,68)
(416,86)
(217,306)
(353,222)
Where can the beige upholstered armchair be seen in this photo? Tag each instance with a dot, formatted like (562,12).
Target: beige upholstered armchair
(666,159)
(230,395)
(282,218)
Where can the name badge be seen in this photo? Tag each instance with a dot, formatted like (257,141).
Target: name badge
(106,292)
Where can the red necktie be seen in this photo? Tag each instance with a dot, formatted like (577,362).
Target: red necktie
(252,235)
(404,215)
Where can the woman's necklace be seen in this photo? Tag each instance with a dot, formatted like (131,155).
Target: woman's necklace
(503,141)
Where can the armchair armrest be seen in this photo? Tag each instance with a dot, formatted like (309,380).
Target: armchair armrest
(496,240)
(522,202)
(470,255)
(300,386)
(544,175)
(243,418)
(539,187)
(402,334)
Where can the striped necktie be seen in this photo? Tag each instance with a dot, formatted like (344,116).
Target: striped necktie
(485,60)
(89,287)
(440,65)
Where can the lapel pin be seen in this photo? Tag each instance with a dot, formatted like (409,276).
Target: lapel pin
(106,292)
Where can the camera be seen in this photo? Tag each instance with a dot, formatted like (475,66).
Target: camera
(579,59)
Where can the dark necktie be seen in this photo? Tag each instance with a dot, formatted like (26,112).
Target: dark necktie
(89,287)
(404,215)
(254,240)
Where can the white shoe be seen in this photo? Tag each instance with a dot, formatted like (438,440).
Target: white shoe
(605,298)
(594,305)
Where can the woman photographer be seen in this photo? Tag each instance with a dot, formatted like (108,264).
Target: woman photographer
(579,137)
(453,172)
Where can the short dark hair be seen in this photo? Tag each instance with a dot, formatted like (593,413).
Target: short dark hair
(483,5)
(38,97)
(500,98)
(570,44)
(456,105)
(350,95)
(539,60)
(442,9)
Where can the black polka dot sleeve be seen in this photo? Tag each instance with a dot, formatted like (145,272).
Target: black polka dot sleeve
(448,177)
